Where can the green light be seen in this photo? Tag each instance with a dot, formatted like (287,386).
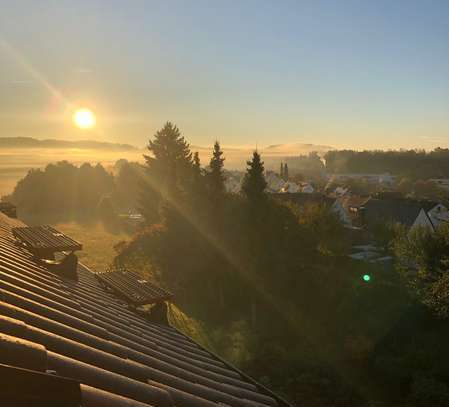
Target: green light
(366,277)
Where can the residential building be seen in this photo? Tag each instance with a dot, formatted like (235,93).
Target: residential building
(385,179)
(303,198)
(409,212)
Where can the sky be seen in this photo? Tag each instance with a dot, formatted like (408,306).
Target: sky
(348,74)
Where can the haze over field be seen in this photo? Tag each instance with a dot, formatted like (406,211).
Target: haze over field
(18,155)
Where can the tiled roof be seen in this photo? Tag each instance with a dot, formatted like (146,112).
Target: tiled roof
(133,288)
(304,198)
(39,238)
(60,332)
(403,210)
(354,201)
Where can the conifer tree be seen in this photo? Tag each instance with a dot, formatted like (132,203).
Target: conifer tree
(282,170)
(197,185)
(285,172)
(196,166)
(215,175)
(171,160)
(170,168)
(254,182)
(149,201)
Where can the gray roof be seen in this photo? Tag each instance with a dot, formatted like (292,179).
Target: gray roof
(304,198)
(76,334)
(403,210)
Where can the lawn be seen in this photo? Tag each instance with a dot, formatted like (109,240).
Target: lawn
(98,243)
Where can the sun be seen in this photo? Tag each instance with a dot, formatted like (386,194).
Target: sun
(84,118)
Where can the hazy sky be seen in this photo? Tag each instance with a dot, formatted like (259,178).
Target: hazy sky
(359,74)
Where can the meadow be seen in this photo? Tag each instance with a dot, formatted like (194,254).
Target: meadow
(98,243)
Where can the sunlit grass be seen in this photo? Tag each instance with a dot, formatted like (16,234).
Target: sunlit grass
(98,243)
(189,326)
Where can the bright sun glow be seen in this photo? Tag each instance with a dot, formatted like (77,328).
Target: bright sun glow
(84,118)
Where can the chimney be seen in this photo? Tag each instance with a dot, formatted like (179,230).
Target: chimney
(159,313)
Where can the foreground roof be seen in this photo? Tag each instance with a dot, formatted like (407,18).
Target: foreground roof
(73,343)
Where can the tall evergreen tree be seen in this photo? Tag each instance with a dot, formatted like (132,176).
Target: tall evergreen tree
(254,182)
(282,170)
(171,159)
(285,172)
(149,201)
(197,185)
(196,166)
(170,169)
(215,175)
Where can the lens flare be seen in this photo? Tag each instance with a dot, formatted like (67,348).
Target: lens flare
(366,278)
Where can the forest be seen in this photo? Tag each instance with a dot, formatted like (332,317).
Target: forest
(269,285)
(64,191)
(417,164)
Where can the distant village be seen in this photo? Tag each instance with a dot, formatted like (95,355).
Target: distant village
(359,212)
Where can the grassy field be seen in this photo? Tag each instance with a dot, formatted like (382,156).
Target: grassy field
(98,243)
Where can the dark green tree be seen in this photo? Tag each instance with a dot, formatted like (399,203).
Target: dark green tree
(286,172)
(169,168)
(422,258)
(254,182)
(197,172)
(281,173)
(215,175)
(197,186)
(196,165)
(149,201)
(128,182)
(170,162)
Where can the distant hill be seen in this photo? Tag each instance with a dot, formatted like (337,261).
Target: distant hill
(296,148)
(29,142)
(272,155)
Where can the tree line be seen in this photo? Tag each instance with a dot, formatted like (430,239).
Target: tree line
(416,164)
(69,191)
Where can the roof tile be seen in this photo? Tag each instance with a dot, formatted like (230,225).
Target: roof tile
(81,331)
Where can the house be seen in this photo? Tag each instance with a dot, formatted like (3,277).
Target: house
(409,212)
(442,183)
(293,188)
(341,191)
(352,204)
(233,181)
(274,182)
(306,188)
(384,179)
(290,187)
(303,198)
(72,342)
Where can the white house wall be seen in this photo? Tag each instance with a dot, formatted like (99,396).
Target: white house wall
(422,220)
